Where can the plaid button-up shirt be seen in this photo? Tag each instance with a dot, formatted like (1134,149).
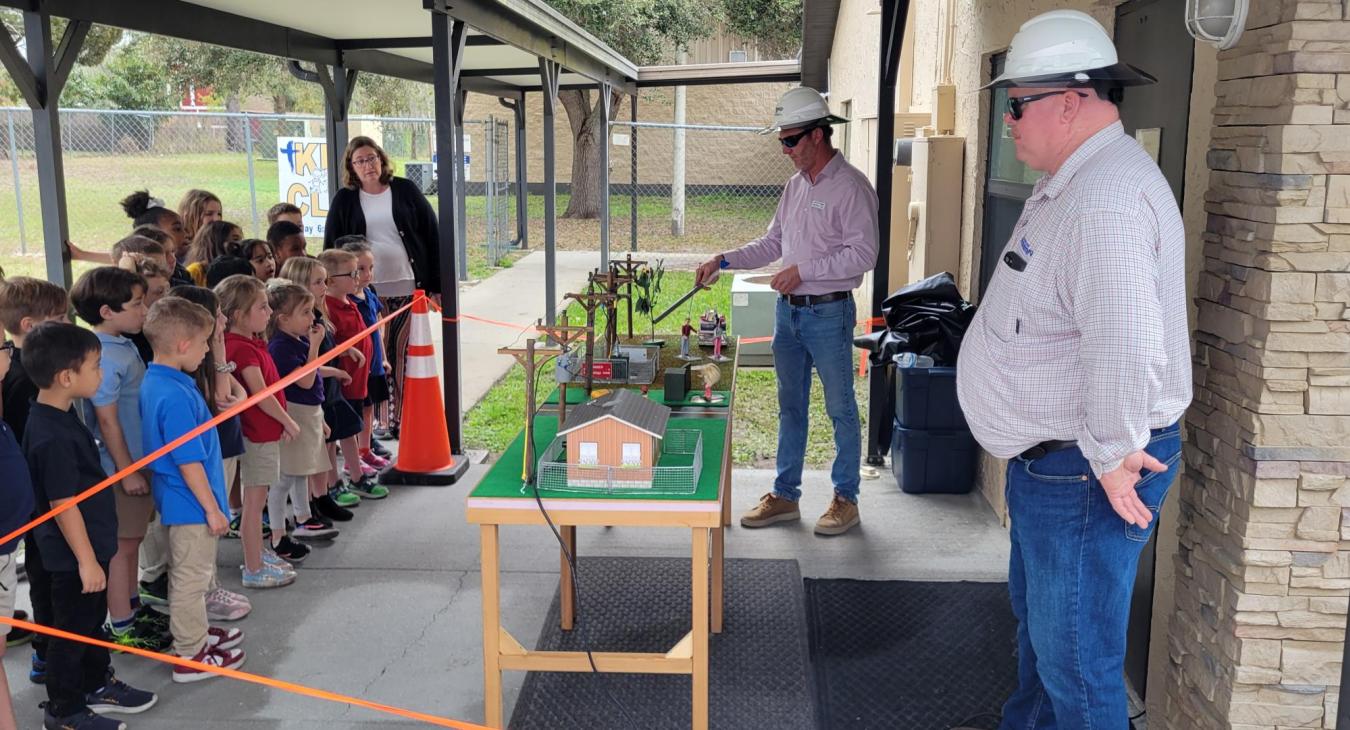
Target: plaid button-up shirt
(1089,341)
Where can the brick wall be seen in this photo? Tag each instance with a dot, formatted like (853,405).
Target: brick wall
(1262,570)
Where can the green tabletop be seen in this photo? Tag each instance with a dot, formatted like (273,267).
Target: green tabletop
(503,479)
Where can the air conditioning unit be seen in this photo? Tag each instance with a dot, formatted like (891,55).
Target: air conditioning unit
(753,307)
(738,57)
(421,174)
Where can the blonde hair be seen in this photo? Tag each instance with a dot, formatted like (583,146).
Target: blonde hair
(142,264)
(299,269)
(335,256)
(285,296)
(237,294)
(192,207)
(174,319)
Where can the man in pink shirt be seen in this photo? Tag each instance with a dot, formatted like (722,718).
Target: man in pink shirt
(825,233)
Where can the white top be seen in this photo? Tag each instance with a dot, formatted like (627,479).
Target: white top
(393,268)
(1088,342)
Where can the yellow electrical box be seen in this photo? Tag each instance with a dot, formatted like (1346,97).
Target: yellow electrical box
(934,211)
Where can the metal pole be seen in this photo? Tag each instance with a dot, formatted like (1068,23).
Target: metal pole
(336,102)
(48,78)
(447,49)
(18,191)
(606,112)
(633,181)
(523,178)
(549,71)
(252,182)
(893,14)
(461,182)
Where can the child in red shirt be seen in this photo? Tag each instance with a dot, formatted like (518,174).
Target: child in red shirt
(243,300)
(347,322)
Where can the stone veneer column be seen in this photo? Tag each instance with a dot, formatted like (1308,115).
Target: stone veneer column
(1262,569)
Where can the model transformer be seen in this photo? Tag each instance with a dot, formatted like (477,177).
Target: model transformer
(626,365)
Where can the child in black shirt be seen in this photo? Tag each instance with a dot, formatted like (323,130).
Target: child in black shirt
(76,545)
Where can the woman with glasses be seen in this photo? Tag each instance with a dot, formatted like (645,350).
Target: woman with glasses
(392,214)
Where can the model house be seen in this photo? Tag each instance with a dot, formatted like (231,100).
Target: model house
(622,430)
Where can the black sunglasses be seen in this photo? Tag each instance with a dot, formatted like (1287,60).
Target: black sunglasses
(791,140)
(1016,104)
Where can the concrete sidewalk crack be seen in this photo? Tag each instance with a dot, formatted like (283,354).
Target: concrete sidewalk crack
(417,640)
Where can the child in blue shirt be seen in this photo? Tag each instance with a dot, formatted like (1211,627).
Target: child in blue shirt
(189,482)
(112,301)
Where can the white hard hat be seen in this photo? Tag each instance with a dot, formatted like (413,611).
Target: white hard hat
(800,107)
(1065,48)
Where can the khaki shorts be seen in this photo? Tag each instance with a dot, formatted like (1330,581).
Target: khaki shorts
(306,453)
(260,465)
(9,587)
(133,513)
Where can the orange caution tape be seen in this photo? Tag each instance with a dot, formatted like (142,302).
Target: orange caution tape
(247,677)
(194,433)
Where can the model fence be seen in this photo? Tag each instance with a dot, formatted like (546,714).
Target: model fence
(681,445)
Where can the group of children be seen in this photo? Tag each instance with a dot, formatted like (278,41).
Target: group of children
(159,359)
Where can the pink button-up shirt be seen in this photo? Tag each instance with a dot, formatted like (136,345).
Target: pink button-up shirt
(827,228)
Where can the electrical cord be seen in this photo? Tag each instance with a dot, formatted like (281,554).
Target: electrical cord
(576,584)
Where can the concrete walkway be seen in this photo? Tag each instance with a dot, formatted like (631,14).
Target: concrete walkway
(516,296)
(391,612)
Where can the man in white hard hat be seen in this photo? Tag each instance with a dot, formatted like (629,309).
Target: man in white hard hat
(825,234)
(1077,369)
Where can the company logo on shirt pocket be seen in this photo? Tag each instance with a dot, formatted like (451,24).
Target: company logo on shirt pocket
(818,204)
(1027,250)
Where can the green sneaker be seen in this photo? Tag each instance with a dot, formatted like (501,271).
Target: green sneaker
(368,489)
(141,635)
(343,495)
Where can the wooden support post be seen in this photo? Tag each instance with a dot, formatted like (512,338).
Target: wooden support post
(526,357)
(563,336)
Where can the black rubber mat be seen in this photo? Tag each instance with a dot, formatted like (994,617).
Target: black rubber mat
(759,673)
(911,655)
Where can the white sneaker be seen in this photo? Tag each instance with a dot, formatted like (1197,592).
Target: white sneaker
(223,605)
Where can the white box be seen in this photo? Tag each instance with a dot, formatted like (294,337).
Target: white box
(753,307)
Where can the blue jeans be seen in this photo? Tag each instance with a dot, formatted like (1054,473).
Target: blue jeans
(819,334)
(1070,578)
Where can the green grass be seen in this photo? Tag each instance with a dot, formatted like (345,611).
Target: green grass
(96,182)
(496,420)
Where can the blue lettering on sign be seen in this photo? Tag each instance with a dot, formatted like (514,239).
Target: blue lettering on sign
(289,150)
(1026,248)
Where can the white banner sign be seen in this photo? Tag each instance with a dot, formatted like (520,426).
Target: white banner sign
(302,179)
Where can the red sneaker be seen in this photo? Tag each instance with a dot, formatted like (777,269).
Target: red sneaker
(212,657)
(373,460)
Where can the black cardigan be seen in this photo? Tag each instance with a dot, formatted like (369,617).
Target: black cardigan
(416,223)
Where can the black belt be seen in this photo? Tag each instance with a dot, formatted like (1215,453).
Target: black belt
(806,300)
(1045,447)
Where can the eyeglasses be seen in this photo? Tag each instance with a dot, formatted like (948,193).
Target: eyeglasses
(791,140)
(348,275)
(1017,104)
(363,161)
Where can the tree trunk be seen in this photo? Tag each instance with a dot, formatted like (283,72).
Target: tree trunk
(587,136)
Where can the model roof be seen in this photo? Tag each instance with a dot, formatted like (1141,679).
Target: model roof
(624,405)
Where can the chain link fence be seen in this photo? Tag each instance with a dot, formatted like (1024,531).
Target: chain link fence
(111,153)
(732,179)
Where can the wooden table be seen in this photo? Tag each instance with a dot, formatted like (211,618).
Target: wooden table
(502,499)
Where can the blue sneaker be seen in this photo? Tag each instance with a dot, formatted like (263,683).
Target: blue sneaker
(37,670)
(120,697)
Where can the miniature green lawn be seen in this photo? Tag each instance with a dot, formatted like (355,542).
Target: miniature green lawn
(498,418)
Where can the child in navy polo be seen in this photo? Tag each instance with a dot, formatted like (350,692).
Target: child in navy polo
(189,482)
(76,545)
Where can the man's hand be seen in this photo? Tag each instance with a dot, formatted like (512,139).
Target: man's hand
(135,485)
(92,578)
(216,523)
(786,281)
(708,270)
(1119,487)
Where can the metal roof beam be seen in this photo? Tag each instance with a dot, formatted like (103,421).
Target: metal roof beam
(534,27)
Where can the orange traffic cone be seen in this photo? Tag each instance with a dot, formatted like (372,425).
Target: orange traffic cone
(424,456)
